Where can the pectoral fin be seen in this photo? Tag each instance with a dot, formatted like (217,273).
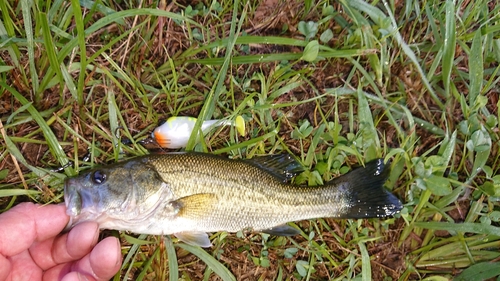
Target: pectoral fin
(194,238)
(282,230)
(196,207)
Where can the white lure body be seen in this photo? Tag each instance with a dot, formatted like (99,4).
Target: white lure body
(175,132)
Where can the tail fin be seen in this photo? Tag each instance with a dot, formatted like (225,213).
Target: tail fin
(365,193)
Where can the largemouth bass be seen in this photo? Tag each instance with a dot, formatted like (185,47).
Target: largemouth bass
(190,194)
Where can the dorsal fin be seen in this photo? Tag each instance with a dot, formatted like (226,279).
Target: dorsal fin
(282,166)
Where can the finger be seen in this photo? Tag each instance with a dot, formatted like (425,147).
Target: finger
(58,272)
(76,276)
(78,243)
(5,267)
(22,268)
(104,261)
(70,246)
(26,223)
(101,264)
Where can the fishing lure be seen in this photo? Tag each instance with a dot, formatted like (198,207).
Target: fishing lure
(175,132)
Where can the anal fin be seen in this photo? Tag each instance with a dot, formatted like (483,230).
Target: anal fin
(282,230)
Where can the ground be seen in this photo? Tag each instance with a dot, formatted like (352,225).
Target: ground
(335,83)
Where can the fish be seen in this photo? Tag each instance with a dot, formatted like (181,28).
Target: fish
(191,194)
(175,132)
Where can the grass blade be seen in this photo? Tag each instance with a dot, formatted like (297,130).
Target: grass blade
(480,271)
(50,49)
(147,265)
(461,227)
(28,26)
(14,151)
(371,142)
(17,192)
(411,55)
(211,262)
(7,29)
(449,46)
(366,268)
(476,70)
(77,14)
(280,57)
(52,141)
(132,253)
(173,266)
(209,105)
(113,121)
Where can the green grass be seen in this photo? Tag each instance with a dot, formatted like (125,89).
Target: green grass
(334,83)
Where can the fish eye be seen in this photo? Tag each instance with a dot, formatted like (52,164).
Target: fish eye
(99,177)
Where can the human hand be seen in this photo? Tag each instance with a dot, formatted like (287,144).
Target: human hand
(32,249)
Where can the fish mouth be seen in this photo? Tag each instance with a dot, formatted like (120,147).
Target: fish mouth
(73,202)
(80,203)
(72,199)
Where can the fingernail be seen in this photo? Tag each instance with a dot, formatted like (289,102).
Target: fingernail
(82,277)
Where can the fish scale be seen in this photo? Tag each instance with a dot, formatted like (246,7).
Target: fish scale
(260,190)
(189,194)
(265,200)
